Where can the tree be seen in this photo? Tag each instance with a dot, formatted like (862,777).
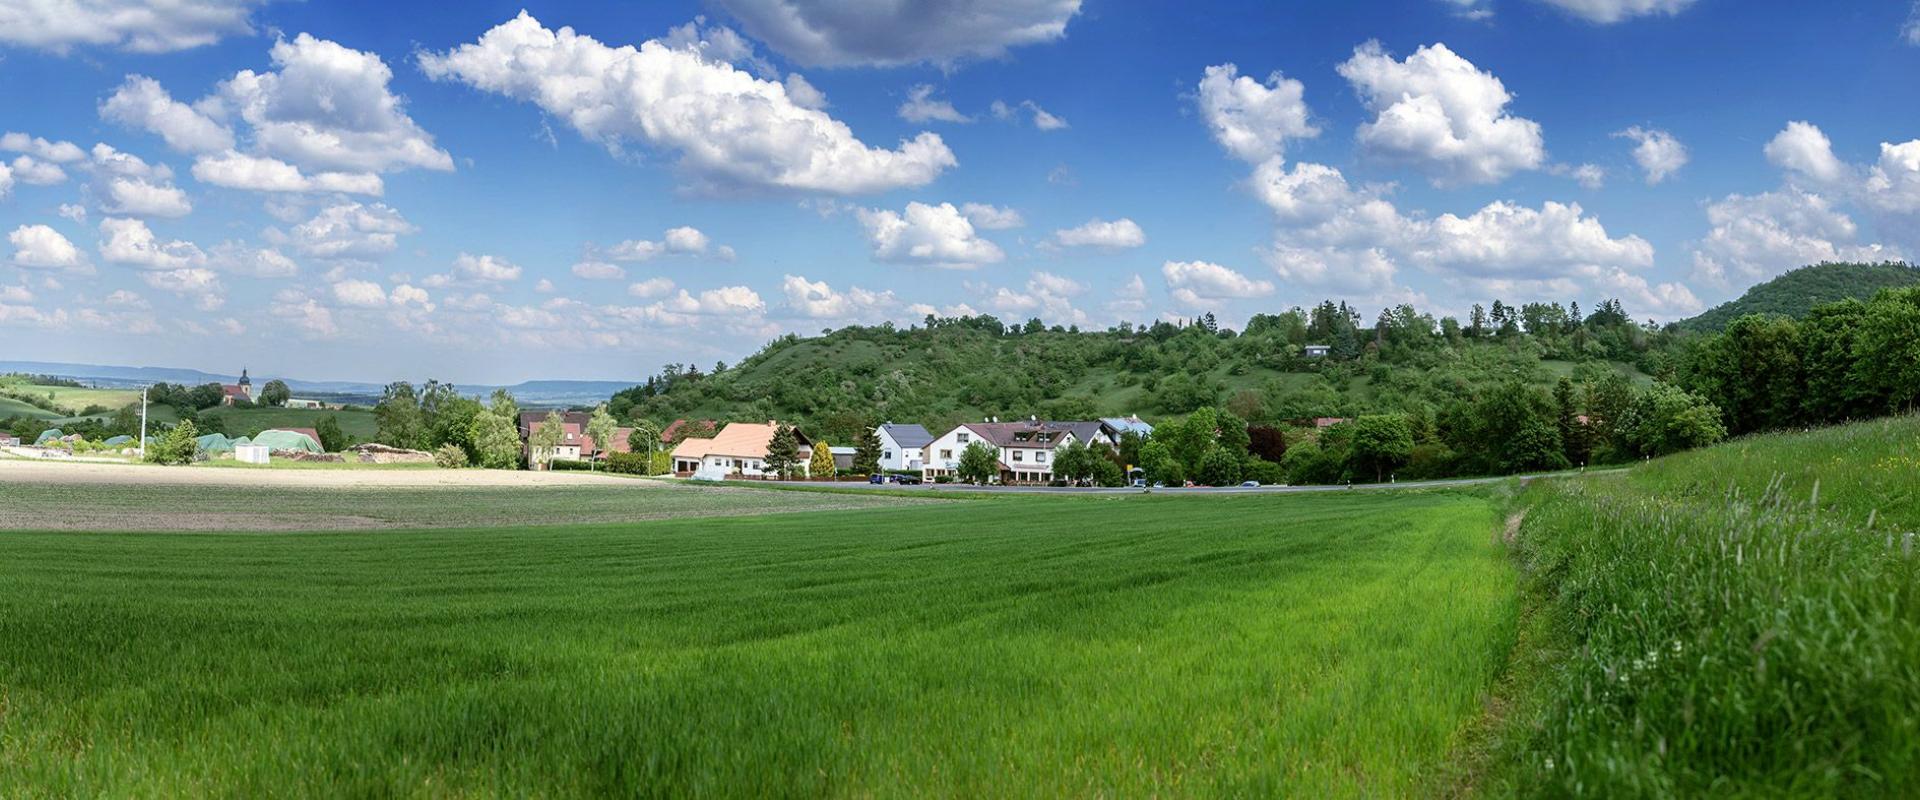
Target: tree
(1574,438)
(866,457)
(503,404)
(1218,468)
(783,452)
(1160,464)
(645,437)
(1667,419)
(397,417)
(178,446)
(1266,442)
(979,463)
(453,424)
(332,439)
(822,465)
(1380,442)
(1074,461)
(545,439)
(602,429)
(495,441)
(275,393)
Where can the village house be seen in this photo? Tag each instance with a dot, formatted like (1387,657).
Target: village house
(1317,350)
(1114,427)
(575,444)
(903,447)
(1025,448)
(739,450)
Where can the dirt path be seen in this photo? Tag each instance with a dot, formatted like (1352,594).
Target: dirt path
(72,472)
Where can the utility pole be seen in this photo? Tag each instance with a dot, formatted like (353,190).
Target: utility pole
(143,421)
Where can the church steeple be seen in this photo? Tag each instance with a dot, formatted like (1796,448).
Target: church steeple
(244,381)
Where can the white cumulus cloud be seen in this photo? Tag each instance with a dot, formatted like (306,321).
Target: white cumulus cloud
(41,247)
(138,26)
(922,106)
(130,241)
(263,174)
(486,268)
(1657,152)
(139,197)
(933,235)
(1438,113)
(1607,12)
(832,34)
(1254,120)
(350,230)
(731,129)
(1198,283)
(1119,234)
(141,102)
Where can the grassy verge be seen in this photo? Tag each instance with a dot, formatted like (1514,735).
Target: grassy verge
(1327,645)
(1738,621)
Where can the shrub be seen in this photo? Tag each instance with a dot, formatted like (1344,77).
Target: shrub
(176,447)
(629,463)
(1264,471)
(450,456)
(569,465)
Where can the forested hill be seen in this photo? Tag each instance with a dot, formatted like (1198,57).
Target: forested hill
(951,370)
(1797,292)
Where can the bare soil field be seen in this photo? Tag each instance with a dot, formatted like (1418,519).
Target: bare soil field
(38,495)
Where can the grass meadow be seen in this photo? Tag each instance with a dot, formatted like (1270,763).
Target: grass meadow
(1737,621)
(1315,645)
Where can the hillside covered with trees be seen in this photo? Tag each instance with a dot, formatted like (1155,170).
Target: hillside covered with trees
(1796,293)
(946,371)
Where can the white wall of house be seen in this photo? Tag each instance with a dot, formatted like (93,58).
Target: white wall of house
(894,458)
(942,455)
(748,466)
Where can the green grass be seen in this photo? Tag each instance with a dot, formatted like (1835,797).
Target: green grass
(1322,645)
(1738,621)
(247,421)
(10,407)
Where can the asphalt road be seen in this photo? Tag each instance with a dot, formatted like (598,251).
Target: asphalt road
(1435,484)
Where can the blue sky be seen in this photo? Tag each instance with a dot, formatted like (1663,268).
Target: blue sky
(362,190)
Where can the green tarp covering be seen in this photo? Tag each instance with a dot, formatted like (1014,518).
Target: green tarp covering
(116,441)
(215,443)
(287,440)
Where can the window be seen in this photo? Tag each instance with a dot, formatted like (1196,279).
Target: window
(1019,455)
(887,454)
(961,438)
(1040,457)
(946,455)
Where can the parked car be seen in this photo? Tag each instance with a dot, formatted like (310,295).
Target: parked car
(882,479)
(1250,485)
(1139,483)
(907,480)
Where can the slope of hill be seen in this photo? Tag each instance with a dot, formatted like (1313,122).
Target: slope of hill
(969,368)
(1762,589)
(1797,292)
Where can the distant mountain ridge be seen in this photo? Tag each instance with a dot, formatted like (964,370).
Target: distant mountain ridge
(1797,292)
(534,392)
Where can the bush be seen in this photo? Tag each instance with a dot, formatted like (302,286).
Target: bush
(1218,468)
(450,456)
(176,447)
(569,465)
(629,463)
(1264,471)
